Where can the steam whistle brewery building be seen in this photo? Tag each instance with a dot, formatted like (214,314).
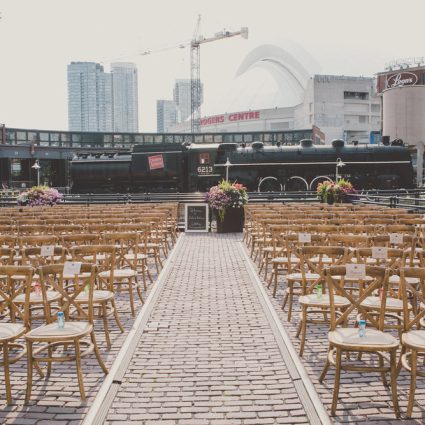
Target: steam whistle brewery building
(402,88)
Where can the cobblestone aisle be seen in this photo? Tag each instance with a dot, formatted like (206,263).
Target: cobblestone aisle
(208,355)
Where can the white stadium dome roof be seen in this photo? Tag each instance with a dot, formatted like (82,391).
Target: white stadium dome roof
(272,75)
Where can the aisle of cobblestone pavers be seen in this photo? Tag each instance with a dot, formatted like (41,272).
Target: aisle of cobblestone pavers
(208,356)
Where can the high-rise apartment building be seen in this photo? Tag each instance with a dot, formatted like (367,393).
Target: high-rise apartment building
(86,97)
(100,101)
(181,96)
(166,115)
(124,101)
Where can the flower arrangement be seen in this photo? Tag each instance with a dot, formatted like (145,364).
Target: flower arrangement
(38,196)
(329,191)
(226,195)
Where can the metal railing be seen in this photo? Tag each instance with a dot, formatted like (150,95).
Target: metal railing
(411,199)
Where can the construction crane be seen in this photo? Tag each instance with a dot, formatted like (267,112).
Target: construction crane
(195,66)
(195,69)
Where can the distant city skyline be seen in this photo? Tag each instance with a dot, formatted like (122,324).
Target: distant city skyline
(38,45)
(166,115)
(102,101)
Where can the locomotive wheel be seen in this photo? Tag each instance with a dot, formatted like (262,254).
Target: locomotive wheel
(295,184)
(269,184)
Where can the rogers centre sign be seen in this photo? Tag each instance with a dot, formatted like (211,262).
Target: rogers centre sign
(402,79)
(237,116)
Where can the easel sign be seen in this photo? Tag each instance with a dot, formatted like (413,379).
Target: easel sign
(196,218)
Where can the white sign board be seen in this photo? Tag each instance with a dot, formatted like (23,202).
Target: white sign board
(396,238)
(47,250)
(71,268)
(380,252)
(355,271)
(304,237)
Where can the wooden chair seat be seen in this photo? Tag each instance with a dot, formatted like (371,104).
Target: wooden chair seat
(11,331)
(119,273)
(285,260)
(139,256)
(51,332)
(38,299)
(414,339)
(396,280)
(20,277)
(349,279)
(99,257)
(373,340)
(323,260)
(83,275)
(99,296)
(299,276)
(393,304)
(323,301)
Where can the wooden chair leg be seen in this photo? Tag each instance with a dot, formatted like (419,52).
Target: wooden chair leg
(106,326)
(29,372)
(337,381)
(143,276)
(97,354)
(49,364)
(139,293)
(79,371)
(148,273)
(291,298)
(7,373)
(285,300)
(393,378)
(303,330)
(383,375)
(130,294)
(399,364)
(412,389)
(116,317)
(326,366)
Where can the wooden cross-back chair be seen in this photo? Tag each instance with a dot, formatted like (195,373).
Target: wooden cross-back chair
(15,317)
(66,229)
(6,256)
(41,229)
(8,241)
(43,342)
(314,306)
(286,260)
(395,258)
(33,256)
(78,239)
(413,336)
(344,337)
(299,276)
(36,240)
(7,229)
(129,262)
(103,257)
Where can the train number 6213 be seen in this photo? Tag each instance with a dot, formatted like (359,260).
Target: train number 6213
(205,169)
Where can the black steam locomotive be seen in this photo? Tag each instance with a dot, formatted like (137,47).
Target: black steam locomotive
(190,167)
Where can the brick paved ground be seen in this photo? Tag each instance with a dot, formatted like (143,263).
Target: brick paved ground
(211,358)
(56,400)
(207,357)
(363,399)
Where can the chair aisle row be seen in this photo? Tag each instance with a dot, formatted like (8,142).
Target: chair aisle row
(59,291)
(358,272)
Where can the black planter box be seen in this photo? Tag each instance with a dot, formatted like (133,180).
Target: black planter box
(233,221)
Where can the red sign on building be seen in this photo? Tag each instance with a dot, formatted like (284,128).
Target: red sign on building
(156,162)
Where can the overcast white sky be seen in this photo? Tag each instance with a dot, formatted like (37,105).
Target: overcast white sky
(38,39)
